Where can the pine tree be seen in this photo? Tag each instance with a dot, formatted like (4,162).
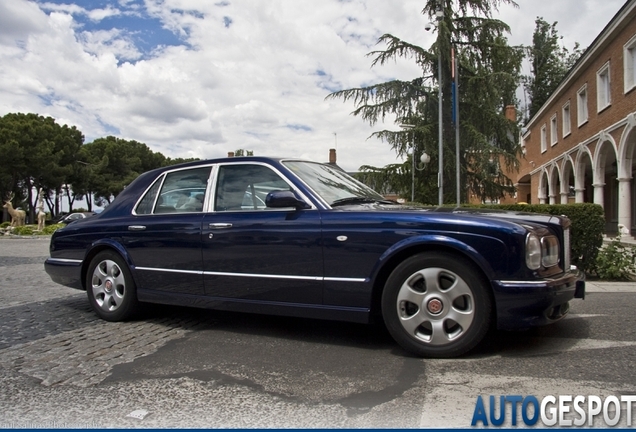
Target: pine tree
(550,63)
(489,73)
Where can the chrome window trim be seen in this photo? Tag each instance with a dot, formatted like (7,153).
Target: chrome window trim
(208,205)
(143,195)
(162,177)
(254,275)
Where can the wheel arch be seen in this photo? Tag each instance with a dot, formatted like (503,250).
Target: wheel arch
(465,253)
(101,246)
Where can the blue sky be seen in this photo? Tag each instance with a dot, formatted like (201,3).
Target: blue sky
(198,78)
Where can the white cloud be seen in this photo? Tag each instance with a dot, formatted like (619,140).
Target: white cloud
(251,74)
(100,14)
(113,42)
(18,20)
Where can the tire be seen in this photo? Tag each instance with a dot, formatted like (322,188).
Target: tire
(436,305)
(110,287)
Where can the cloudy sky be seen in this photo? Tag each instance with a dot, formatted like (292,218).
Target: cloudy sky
(199,78)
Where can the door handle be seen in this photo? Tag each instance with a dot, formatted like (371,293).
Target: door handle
(219,225)
(136,227)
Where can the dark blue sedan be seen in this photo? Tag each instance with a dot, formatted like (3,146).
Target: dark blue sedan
(298,238)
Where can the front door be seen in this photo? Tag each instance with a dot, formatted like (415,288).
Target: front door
(255,253)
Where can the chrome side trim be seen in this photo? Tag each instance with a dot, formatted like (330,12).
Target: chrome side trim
(252,275)
(339,279)
(64,260)
(197,272)
(522,283)
(265,276)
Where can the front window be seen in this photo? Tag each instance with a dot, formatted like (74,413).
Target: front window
(333,185)
(244,187)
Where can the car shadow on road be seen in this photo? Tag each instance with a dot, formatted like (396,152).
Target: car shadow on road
(538,341)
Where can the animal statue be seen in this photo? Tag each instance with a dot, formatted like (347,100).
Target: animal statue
(17,216)
(41,213)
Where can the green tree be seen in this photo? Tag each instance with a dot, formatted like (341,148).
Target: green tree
(489,73)
(112,163)
(243,152)
(36,153)
(176,161)
(550,63)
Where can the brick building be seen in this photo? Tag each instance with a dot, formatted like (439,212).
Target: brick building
(579,147)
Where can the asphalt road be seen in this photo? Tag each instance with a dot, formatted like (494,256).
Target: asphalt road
(60,366)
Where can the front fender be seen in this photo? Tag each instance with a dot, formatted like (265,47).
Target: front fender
(492,250)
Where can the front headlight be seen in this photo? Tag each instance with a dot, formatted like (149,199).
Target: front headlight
(541,251)
(533,252)
(549,251)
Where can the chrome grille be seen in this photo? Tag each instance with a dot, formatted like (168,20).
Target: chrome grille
(566,249)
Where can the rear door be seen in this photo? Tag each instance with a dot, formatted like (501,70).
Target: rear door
(164,239)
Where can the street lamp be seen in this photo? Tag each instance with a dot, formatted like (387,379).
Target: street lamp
(439,15)
(424,159)
(407,127)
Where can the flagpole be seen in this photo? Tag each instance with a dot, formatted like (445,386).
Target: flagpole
(455,67)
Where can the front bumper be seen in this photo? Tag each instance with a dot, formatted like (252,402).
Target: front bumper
(524,304)
(65,272)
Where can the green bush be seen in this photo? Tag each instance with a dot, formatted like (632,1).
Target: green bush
(27,230)
(586,231)
(616,261)
(24,230)
(50,229)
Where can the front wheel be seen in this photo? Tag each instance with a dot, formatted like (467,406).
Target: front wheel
(436,305)
(110,287)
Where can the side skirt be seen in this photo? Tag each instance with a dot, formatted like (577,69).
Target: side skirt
(332,313)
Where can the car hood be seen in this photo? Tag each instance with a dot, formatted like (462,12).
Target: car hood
(510,215)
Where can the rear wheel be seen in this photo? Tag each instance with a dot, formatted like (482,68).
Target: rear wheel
(436,305)
(110,287)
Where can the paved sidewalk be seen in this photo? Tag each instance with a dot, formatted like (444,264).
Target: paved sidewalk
(602,286)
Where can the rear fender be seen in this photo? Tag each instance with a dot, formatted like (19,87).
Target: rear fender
(106,244)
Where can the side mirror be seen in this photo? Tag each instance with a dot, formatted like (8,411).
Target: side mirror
(284,198)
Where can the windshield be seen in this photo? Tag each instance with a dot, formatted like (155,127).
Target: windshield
(332,184)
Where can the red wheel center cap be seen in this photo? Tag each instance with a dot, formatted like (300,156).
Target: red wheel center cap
(108,286)
(435,306)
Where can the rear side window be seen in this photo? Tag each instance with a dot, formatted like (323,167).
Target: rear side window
(180,192)
(148,201)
